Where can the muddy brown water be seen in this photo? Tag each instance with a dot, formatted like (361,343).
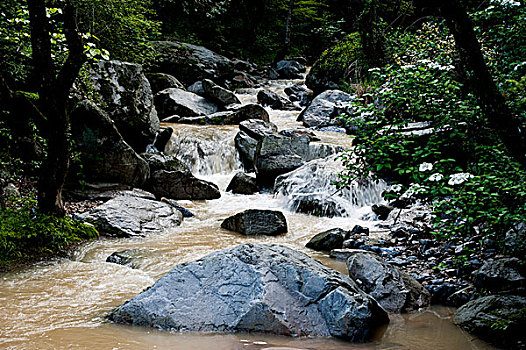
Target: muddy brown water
(63,304)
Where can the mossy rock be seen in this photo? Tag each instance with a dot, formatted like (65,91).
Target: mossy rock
(340,64)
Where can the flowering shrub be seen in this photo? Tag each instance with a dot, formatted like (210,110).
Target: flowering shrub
(420,128)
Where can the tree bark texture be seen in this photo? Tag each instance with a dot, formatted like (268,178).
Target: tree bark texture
(493,104)
(53,92)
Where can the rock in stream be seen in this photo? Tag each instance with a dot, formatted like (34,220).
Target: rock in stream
(256,288)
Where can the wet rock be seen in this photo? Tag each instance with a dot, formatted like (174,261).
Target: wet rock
(190,63)
(460,297)
(276,154)
(246,147)
(441,291)
(104,154)
(197,88)
(218,94)
(183,103)
(394,290)
(256,288)
(128,257)
(186,213)
(243,80)
(358,230)
(300,132)
(325,109)
(502,274)
(256,128)
(242,183)
(162,139)
(257,222)
(382,210)
(249,111)
(128,100)
(161,81)
(290,69)
(345,253)
(104,192)
(327,240)
(181,185)
(497,319)
(300,93)
(127,216)
(162,161)
(274,101)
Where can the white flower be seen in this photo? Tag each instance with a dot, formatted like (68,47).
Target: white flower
(412,190)
(425,167)
(376,69)
(408,66)
(457,179)
(396,188)
(436,177)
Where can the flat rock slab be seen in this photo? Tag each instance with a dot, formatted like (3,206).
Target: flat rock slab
(257,222)
(256,288)
(127,216)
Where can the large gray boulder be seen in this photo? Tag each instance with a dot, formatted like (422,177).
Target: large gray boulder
(246,141)
(128,216)
(104,155)
(257,128)
(162,161)
(218,94)
(180,184)
(257,222)
(277,154)
(182,103)
(290,69)
(190,63)
(128,100)
(497,319)
(502,274)
(395,290)
(256,288)
(325,108)
(162,81)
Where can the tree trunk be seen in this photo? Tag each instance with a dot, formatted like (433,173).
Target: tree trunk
(493,104)
(286,43)
(53,94)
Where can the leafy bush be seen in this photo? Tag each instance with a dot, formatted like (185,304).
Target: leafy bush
(26,234)
(459,165)
(338,65)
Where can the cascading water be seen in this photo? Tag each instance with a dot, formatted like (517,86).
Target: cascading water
(63,304)
(313,189)
(206,150)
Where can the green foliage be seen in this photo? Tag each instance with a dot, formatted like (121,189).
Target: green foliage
(341,64)
(461,168)
(121,27)
(26,234)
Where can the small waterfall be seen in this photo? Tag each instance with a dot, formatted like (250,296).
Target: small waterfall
(206,150)
(311,189)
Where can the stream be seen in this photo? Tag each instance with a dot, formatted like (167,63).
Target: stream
(62,304)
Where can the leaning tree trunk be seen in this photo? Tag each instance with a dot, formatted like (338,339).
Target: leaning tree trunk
(493,104)
(53,92)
